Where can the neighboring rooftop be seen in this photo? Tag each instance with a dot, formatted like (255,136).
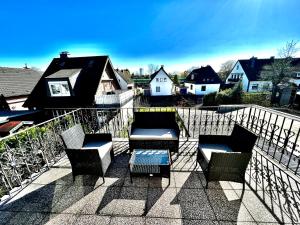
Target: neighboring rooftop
(203,75)
(125,74)
(254,66)
(18,81)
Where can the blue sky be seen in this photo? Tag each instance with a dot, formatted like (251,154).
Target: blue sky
(178,34)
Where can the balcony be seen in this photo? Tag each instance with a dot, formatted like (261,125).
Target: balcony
(233,79)
(37,183)
(116,99)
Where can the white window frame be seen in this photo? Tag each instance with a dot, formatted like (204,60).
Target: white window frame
(255,87)
(203,87)
(60,83)
(157,79)
(157,89)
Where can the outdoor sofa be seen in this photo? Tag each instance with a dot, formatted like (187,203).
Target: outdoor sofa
(225,158)
(154,130)
(88,153)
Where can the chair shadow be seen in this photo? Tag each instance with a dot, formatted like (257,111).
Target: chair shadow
(212,204)
(55,197)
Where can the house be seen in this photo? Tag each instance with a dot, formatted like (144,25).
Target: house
(124,78)
(15,86)
(161,83)
(78,82)
(202,81)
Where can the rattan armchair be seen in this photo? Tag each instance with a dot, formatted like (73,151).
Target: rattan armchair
(88,153)
(225,158)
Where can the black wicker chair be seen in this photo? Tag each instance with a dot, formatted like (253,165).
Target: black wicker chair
(225,158)
(154,130)
(88,153)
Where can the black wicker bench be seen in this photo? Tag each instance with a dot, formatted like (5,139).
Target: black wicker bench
(154,130)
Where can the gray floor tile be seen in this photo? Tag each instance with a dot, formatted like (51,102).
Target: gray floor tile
(92,220)
(162,203)
(163,221)
(24,218)
(128,221)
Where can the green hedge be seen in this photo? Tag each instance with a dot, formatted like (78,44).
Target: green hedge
(262,98)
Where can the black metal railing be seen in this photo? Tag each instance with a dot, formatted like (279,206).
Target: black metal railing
(28,153)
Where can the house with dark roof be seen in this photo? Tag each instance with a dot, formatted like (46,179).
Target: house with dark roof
(15,86)
(249,71)
(202,81)
(73,82)
(124,78)
(161,83)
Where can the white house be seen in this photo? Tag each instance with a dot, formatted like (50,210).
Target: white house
(161,84)
(124,79)
(202,81)
(248,71)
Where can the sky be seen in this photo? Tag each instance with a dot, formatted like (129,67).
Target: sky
(135,33)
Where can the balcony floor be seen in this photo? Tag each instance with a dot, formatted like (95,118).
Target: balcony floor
(53,198)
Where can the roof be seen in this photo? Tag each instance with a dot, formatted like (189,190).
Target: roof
(18,81)
(85,88)
(253,66)
(156,72)
(203,75)
(125,74)
(7,127)
(63,73)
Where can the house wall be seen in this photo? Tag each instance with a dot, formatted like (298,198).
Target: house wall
(196,90)
(261,86)
(106,83)
(238,70)
(122,82)
(166,87)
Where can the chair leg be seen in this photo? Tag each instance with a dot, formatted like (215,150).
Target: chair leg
(103,179)
(206,186)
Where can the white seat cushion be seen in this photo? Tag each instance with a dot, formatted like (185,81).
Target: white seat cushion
(208,149)
(153,134)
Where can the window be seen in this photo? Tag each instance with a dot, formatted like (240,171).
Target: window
(254,87)
(203,88)
(191,87)
(192,77)
(157,79)
(165,79)
(157,88)
(59,88)
(298,74)
(237,67)
(161,79)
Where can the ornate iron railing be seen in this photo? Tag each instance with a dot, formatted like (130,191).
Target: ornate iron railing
(28,153)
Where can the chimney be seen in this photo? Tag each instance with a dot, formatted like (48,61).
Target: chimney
(25,67)
(162,66)
(272,58)
(252,61)
(64,54)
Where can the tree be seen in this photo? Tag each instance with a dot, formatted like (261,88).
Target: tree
(280,71)
(225,69)
(152,68)
(175,79)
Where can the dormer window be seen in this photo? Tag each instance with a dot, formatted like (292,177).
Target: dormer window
(298,74)
(59,88)
(192,77)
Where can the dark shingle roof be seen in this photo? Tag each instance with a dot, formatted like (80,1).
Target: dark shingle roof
(254,66)
(85,87)
(17,81)
(203,75)
(63,73)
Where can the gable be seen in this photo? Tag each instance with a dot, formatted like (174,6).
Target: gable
(160,74)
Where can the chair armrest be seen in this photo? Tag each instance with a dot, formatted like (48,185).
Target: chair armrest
(214,139)
(97,137)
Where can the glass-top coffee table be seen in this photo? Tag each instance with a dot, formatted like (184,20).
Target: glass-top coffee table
(154,162)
